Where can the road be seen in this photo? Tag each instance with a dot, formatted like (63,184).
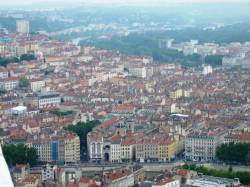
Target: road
(154,167)
(100,167)
(147,166)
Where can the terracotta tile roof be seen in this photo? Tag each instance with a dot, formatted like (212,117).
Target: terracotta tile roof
(115,139)
(117,174)
(84,180)
(108,123)
(2,69)
(10,79)
(123,108)
(182,172)
(240,136)
(128,141)
(164,181)
(30,179)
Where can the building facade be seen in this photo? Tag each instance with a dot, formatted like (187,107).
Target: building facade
(201,146)
(48,100)
(22,26)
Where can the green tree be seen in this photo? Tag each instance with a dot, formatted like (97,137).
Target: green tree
(24,82)
(62,113)
(233,152)
(6,61)
(82,129)
(214,60)
(27,57)
(146,44)
(19,154)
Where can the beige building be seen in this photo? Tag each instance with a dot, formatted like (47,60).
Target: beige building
(128,150)
(147,150)
(72,148)
(178,93)
(167,150)
(37,85)
(156,149)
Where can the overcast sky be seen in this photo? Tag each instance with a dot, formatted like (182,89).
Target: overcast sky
(23,2)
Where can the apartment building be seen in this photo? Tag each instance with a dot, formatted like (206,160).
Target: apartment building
(237,137)
(9,83)
(123,110)
(22,26)
(167,150)
(95,147)
(201,145)
(128,150)
(178,93)
(147,150)
(37,85)
(72,148)
(4,73)
(8,49)
(48,172)
(57,148)
(48,99)
(43,149)
(155,149)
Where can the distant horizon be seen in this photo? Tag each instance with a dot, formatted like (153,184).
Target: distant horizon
(61,3)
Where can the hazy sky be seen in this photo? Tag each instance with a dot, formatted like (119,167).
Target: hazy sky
(23,2)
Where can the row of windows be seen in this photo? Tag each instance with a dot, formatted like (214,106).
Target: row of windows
(52,100)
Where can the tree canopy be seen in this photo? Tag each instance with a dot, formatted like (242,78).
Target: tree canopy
(5,61)
(62,113)
(27,57)
(234,152)
(146,44)
(214,60)
(19,154)
(24,82)
(82,129)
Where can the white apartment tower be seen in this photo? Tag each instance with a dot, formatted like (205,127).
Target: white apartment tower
(22,26)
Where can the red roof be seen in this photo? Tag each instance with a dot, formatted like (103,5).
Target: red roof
(128,141)
(123,108)
(118,174)
(2,69)
(182,172)
(164,181)
(240,136)
(10,79)
(108,123)
(84,180)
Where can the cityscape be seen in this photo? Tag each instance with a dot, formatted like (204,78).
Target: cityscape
(120,94)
